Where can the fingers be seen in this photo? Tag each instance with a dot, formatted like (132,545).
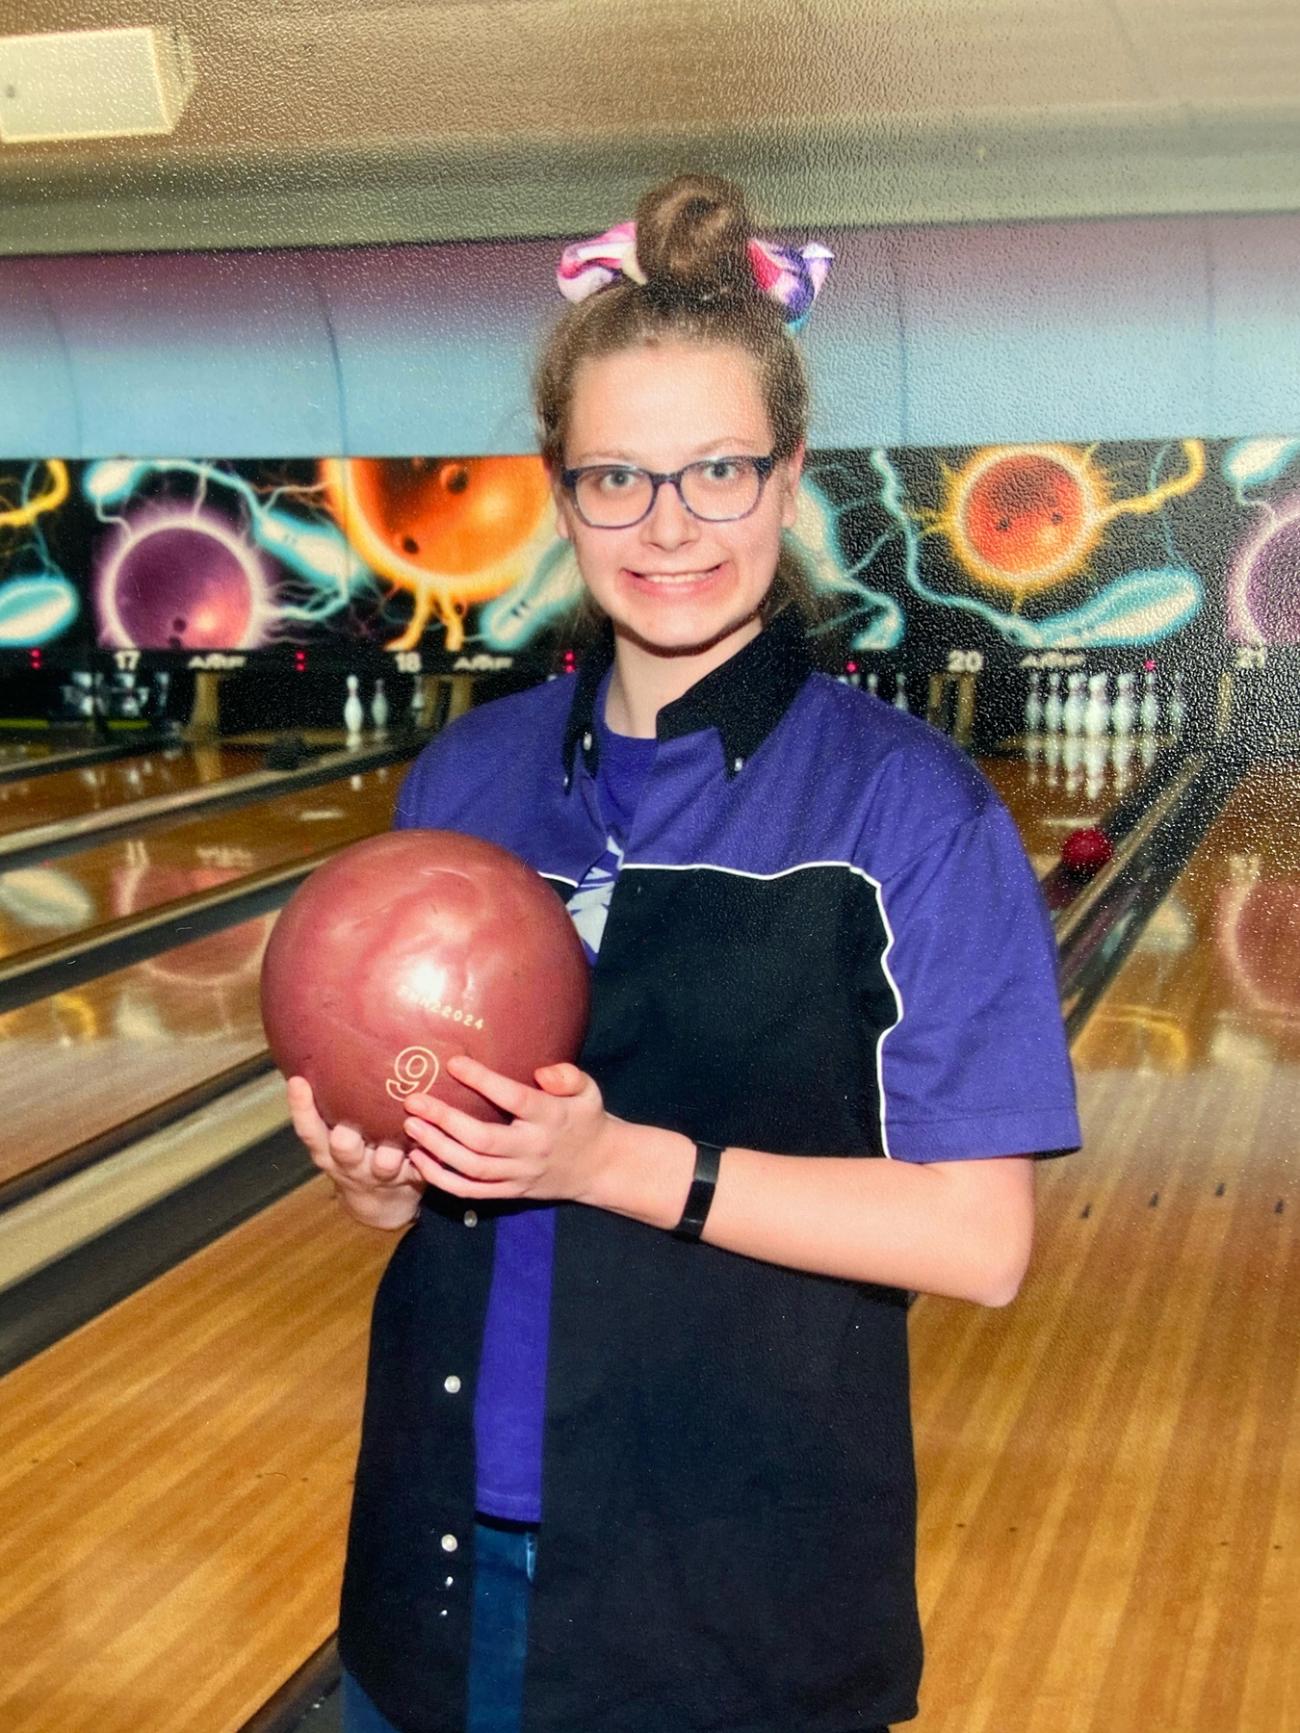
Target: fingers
(563,1079)
(340,1150)
(308,1124)
(451,1179)
(506,1093)
(475,1134)
(450,1149)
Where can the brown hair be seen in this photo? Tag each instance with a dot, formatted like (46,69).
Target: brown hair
(692,247)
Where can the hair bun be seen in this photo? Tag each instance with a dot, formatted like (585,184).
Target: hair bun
(692,239)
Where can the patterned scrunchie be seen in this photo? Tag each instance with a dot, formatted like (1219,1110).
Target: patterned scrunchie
(790,278)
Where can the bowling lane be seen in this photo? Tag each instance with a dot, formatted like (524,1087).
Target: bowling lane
(15,752)
(65,794)
(1114,1461)
(42,904)
(1065,784)
(80,1062)
(175,1479)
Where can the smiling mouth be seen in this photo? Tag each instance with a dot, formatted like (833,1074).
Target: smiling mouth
(675,580)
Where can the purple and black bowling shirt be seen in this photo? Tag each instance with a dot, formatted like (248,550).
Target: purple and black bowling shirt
(823,938)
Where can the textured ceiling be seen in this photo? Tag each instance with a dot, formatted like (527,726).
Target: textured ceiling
(365,121)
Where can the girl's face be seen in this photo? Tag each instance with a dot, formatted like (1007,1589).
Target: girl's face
(674,583)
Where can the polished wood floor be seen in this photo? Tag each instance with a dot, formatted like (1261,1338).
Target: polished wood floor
(1110,1468)
(174,1481)
(129,875)
(127,1040)
(64,794)
(1066,783)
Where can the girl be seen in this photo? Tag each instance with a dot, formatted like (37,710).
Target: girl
(636,1455)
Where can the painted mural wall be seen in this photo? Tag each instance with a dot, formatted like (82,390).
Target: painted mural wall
(923,559)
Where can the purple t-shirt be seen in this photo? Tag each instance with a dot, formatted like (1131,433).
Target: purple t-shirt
(510,1400)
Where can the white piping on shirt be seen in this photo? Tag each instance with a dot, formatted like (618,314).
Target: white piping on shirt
(805,866)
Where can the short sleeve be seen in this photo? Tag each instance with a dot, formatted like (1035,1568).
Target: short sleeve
(977,1064)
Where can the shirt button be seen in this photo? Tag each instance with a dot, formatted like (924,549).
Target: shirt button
(471,1218)
(451,1385)
(449,1543)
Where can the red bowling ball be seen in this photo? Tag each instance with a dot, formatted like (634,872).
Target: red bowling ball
(406,949)
(1085,852)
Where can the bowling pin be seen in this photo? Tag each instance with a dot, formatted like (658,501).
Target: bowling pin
(1052,704)
(1072,758)
(1177,707)
(1122,759)
(379,708)
(353,715)
(873,682)
(1034,703)
(1147,748)
(1096,712)
(1124,710)
(1072,711)
(900,693)
(1095,754)
(128,705)
(1052,758)
(1149,711)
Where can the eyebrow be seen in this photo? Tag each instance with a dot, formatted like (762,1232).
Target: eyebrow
(711,448)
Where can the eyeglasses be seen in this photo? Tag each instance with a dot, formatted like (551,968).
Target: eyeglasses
(614,496)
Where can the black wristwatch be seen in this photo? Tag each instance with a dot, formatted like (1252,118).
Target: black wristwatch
(700,1196)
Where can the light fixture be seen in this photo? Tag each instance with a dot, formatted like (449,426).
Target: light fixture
(82,84)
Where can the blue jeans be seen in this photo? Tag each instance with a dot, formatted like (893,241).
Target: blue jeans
(505,1561)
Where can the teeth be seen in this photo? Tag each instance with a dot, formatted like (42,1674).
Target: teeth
(673,577)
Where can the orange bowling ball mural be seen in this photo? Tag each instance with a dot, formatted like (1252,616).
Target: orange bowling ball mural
(452,531)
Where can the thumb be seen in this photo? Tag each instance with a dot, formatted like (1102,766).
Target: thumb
(562,1079)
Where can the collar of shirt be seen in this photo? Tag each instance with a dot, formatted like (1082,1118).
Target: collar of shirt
(743,700)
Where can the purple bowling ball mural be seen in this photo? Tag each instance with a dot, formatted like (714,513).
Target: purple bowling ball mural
(169,585)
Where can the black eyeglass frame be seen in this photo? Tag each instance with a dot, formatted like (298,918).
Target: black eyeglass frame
(763,467)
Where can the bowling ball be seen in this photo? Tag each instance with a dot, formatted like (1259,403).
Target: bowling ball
(1085,852)
(406,949)
(453,516)
(1023,513)
(180,587)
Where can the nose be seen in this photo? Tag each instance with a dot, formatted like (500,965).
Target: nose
(669,524)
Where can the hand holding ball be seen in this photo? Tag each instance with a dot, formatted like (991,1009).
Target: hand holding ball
(406,949)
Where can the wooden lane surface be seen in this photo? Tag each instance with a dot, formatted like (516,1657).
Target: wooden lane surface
(1049,801)
(64,794)
(80,1062)
(175,1480)
(27,751)
(40,904)
(1110,1468)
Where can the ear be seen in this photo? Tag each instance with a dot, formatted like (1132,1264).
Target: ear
(790,471)
(563,509)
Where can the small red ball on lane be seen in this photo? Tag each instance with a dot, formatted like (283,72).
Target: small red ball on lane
(1085,852)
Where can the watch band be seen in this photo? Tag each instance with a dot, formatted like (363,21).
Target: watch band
(700,1196)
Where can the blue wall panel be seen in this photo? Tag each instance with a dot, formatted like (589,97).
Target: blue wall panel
(204,354)
(1256,360)
(1011,332)
(856,358)
(435,344)
(39,414)
(1068,331)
